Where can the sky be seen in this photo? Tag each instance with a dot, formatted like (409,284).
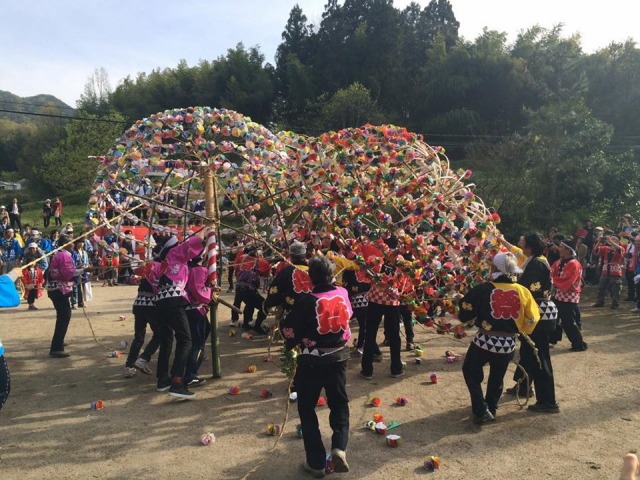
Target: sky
(53,47)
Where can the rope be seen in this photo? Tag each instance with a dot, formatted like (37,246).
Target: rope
(525,378)
(284,424)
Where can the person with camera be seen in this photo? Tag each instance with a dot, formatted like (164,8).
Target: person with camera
(611,254)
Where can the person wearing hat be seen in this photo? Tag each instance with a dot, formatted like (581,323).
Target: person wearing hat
(81,261)
(566,276)
(59,287)
(500,309)
(33,276)
(109,265)
(4,214)
(46,213)
(11,251)
(291,280)
(611,255)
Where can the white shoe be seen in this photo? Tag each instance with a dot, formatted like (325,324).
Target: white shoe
(129,372)
(142,365)
(635,310)
(339,458)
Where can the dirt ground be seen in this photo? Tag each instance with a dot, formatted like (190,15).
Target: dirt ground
(47,429)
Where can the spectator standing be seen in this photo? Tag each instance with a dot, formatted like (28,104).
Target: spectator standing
(46,213)
(33,276)
(11,251)
(4,215)
(612,256)
(81,262)
(57,211)
(15,214)
(630,269)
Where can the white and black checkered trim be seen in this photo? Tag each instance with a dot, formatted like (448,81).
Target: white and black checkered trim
(359,300)
(169,291)
(495,344)
(548,310)
(145,299)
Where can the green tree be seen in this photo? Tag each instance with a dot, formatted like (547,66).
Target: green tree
(95,98)
(350,107)
(67,167)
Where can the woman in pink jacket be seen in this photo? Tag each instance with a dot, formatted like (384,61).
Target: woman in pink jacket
(59,287)
(171,306)
(200,297)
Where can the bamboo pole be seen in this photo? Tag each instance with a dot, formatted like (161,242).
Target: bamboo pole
(213,222)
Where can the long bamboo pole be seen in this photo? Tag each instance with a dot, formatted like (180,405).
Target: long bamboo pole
(213,222)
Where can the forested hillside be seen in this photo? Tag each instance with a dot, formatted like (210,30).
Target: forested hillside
(551,132)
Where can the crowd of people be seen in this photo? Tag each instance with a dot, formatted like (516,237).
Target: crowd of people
(314,291)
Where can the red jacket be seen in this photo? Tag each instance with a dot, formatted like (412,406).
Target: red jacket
(611,264)
(568,282)
(32,278)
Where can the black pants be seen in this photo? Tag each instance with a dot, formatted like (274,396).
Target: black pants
(252,301)
(58,221)
(46,220)
(474,361)
(143,316)
(310,380)
(230,278)
(391,314)
(541,374)
(154,343)
(407,320)
(631,291)
(14,219)
(63,317)
(237,301)
(200,329)
(173,320)
(5,381)
(32,296)
(569,316)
